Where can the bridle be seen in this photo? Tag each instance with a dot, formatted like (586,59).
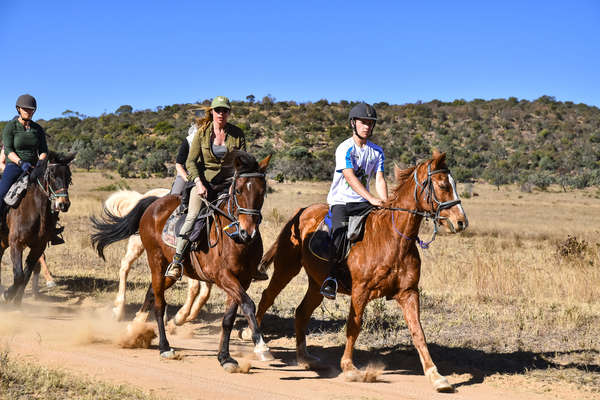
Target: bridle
(425,188)
(233,208)
(48,188)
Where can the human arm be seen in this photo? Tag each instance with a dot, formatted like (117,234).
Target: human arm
(381,186)
(359,188)
(192,167)
(181,159)
(181,171)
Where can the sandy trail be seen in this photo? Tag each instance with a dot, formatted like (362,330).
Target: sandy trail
(82,340)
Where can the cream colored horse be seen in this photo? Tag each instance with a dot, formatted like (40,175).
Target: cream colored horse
(119,204)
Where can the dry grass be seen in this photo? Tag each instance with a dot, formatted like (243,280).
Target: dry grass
(499,300)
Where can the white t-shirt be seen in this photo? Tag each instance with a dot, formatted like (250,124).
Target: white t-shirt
(366,161)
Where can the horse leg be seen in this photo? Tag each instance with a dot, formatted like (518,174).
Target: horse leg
(16,255)
(134,251)
(1,254)
(35,279)
(358,302)
(142,314)
(197,295)
(309,303)
(30,263)
(225,359)
(201,299)
(409,302)
(283,273)
(234,289)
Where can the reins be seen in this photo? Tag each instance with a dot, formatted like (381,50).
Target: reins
(426,188)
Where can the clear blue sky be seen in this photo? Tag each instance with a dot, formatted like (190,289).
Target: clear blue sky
(93,56)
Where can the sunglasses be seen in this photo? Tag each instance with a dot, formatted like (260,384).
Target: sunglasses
(221,110)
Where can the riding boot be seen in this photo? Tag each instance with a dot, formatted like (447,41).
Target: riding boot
(175,268)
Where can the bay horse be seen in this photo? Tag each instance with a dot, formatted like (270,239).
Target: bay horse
(33,222)
(386,263)
(229,260)
(119,204)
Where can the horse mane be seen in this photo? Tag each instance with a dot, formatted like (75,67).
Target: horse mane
(438,161)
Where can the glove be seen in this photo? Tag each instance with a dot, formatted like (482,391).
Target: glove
(25,166)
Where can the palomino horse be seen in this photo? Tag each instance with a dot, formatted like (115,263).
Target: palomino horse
(119,204)
(32,223)
(228,261)
(385,263)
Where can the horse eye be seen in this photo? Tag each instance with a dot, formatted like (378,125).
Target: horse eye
(238,191)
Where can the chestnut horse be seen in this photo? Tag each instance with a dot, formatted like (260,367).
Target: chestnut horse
(119,204)
(227,260)
(33,222)
(385,263)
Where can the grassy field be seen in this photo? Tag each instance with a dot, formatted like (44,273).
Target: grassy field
(515,298)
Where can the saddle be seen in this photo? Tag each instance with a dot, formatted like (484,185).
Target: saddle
(198,236)
(320,242)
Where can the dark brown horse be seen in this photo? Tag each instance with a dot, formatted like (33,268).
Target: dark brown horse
(230,263)
(33,222)
(385,263)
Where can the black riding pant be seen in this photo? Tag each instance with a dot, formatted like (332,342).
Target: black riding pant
(340,214)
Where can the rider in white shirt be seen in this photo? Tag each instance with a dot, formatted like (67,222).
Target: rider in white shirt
(357,161)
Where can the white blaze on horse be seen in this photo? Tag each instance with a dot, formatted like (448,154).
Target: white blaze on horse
(119,204)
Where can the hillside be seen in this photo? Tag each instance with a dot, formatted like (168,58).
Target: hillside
(501,141)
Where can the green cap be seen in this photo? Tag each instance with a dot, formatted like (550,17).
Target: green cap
(220,101)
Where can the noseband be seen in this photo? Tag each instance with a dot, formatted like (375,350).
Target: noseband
(426,188)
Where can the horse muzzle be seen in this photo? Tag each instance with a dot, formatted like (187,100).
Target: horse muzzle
(62,204)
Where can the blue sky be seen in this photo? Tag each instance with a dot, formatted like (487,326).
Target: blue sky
(93,56)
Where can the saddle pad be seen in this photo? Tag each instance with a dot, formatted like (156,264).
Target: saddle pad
(172,227)
(17,191)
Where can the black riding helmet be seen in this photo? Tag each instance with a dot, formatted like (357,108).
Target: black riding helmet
(26,101)
(363,111)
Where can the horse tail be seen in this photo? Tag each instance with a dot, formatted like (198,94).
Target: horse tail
(111,228)
(284,236)
(121,202)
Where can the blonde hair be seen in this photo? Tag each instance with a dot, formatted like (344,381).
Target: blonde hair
(202,123)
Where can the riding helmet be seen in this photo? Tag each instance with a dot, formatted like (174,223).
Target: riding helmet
(363,111)
(27,101)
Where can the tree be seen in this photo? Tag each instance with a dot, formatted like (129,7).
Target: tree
(250,98)
(124,109)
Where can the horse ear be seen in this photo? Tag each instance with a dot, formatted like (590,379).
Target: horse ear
(439,159)
(264,163)
(70,157)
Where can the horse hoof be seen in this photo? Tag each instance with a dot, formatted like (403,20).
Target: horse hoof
(353,375)
(231,367)
(264,355)
(117,314)
(443,386)
(310,362)
(168,355)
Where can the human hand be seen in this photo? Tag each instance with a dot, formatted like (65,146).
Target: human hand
(25,166)
(201,189)
(376,202)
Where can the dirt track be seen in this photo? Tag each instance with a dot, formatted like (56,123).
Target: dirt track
(84,343)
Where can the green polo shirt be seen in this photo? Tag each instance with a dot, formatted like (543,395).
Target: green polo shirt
(201,161)
(27,143)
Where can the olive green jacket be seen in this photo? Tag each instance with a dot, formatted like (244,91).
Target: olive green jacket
(201,161)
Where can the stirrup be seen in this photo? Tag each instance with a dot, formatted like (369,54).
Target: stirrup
(175,268)
(326,289)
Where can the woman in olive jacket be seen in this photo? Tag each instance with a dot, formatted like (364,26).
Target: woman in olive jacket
(214,138)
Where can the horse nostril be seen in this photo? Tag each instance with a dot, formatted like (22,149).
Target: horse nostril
(461,225)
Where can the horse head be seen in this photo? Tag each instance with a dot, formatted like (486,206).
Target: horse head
(56,180)
(435,192)
(246,192)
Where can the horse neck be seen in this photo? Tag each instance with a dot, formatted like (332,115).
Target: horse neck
(405,222)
